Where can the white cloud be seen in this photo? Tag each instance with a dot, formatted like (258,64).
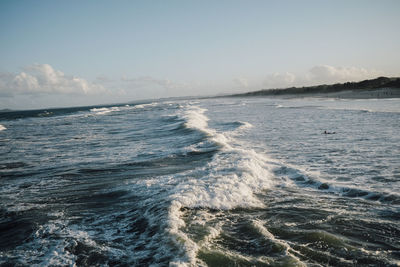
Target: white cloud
(330,74)
(44,79)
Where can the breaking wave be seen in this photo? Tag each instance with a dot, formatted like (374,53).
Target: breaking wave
(230,180)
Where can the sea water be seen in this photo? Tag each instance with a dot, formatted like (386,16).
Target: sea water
(202,182)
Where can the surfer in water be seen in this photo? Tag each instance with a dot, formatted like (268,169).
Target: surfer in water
(325,132)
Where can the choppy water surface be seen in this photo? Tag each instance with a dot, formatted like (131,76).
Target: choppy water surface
(217,182)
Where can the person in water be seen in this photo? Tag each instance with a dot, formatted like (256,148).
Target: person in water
(325,132)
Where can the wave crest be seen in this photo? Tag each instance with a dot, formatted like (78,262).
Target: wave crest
(230,180)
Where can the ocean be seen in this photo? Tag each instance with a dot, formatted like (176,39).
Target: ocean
(202,182)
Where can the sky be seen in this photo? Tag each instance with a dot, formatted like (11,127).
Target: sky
(72,53)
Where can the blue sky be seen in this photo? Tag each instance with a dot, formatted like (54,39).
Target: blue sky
(66,53)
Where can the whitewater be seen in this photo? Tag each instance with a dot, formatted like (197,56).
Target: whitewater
(202,182)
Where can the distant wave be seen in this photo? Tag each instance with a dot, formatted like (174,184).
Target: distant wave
(106,110)
(146,105)
(102,111)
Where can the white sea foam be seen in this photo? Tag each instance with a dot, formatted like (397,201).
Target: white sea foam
(229,181)
(2,128)
(195,119)
(103,111)
(146,105)
(232,179)
(47,251)
(56,251)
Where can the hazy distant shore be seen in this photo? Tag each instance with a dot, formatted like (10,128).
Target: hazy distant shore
(381,87)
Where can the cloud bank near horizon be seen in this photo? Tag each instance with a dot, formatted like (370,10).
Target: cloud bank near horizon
(320,74)
(41,79)
(40,83)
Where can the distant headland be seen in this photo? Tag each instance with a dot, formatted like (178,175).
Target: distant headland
(381,87)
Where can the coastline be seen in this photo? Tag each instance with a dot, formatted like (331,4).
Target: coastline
(349,94)
(381,87)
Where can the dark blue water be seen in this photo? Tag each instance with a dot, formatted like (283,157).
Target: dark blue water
(217,182)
